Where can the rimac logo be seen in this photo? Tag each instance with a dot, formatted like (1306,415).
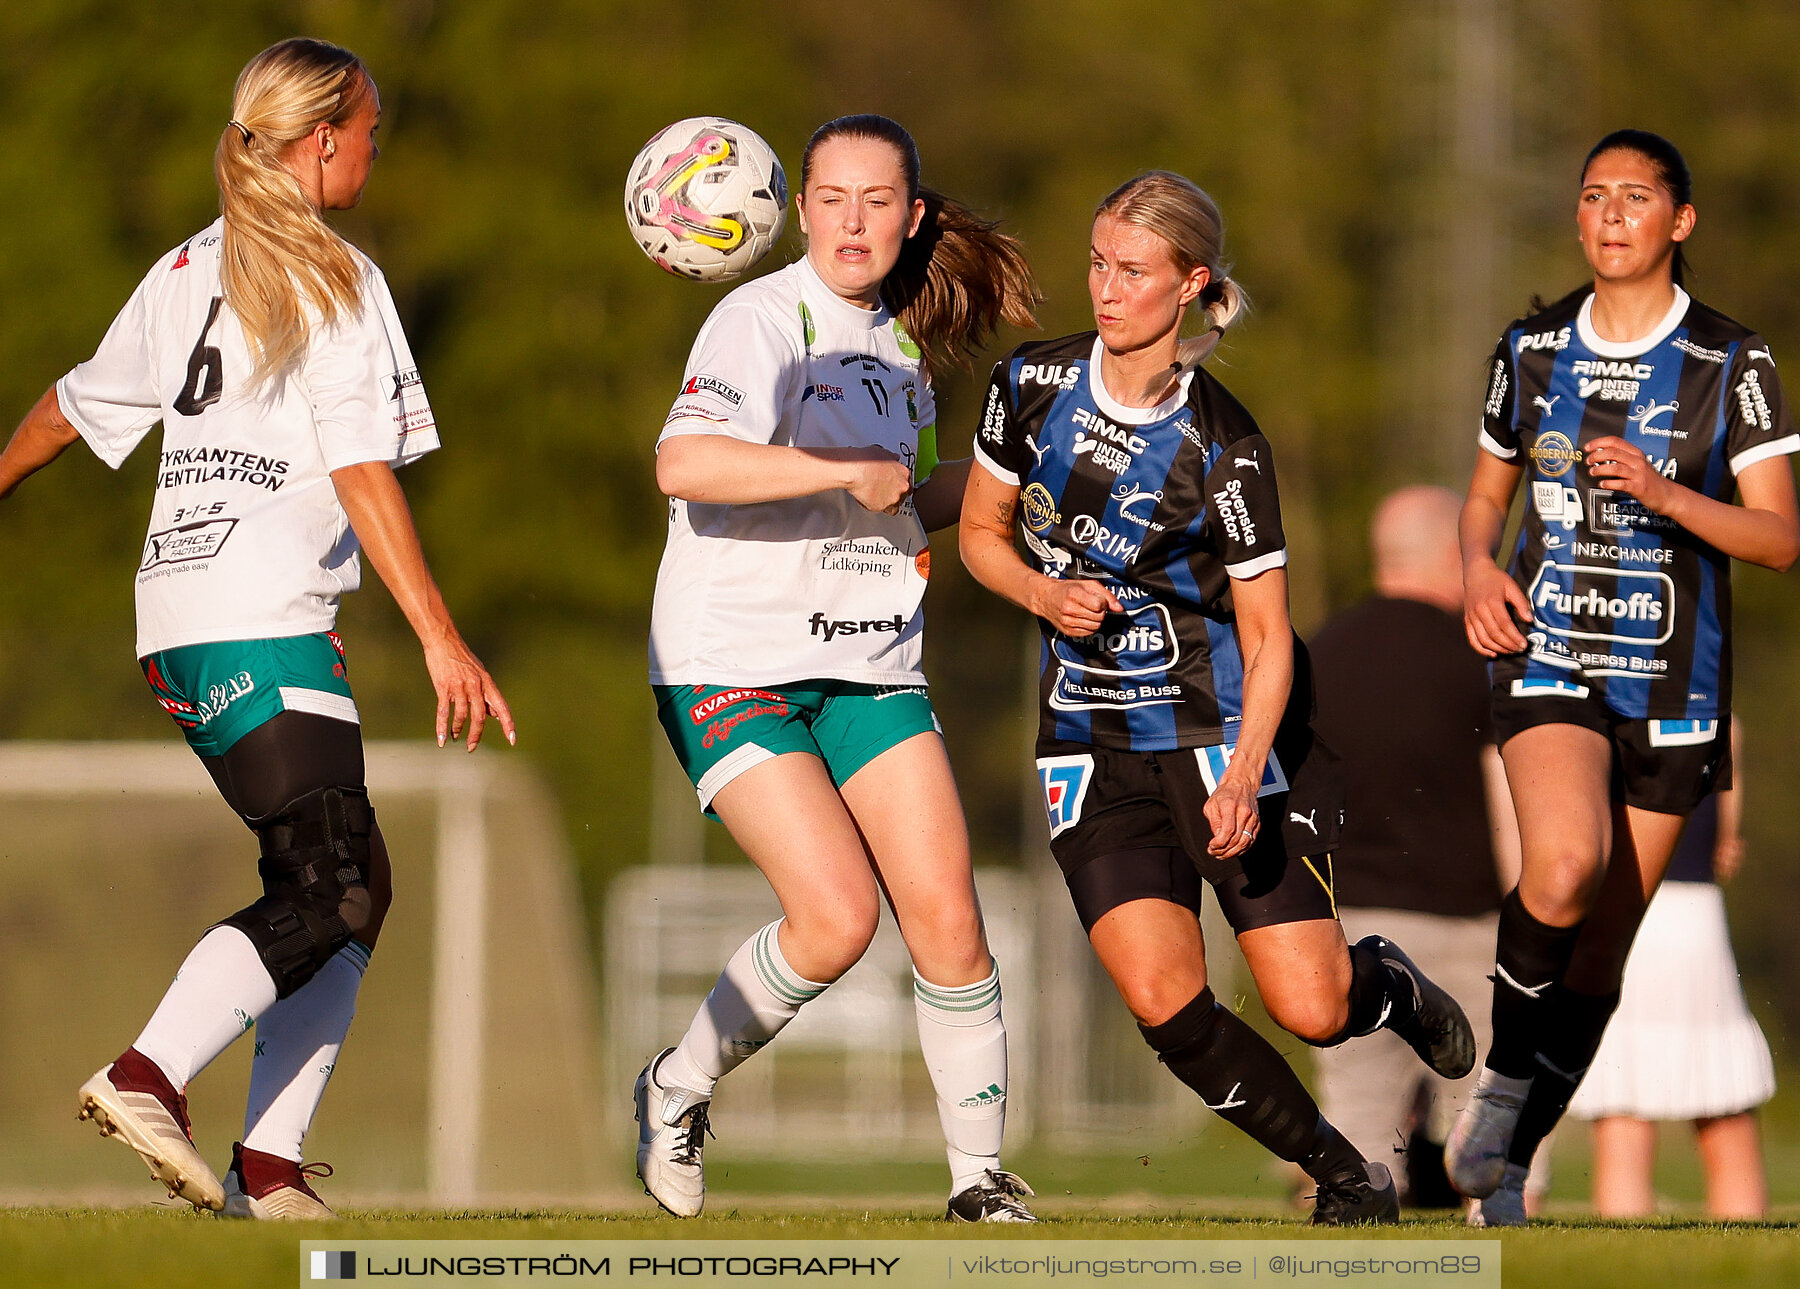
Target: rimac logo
(189,542)
(1615,382)
(1049,374)
(713,385)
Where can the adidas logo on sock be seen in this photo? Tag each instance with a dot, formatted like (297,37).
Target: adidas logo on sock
(992,1094)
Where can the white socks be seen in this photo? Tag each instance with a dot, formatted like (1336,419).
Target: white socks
(219,992)
(963,1040)
(961,1036)
(297,1042)
(756,995)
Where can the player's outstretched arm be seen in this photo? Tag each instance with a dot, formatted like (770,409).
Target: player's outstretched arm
(718,470)
(1491,599)
(1075,608)
(39,440)
(466,694)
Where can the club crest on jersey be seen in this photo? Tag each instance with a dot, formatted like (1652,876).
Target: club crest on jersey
(1645,416)
(1065,782)
(1554,454)
(1127,495)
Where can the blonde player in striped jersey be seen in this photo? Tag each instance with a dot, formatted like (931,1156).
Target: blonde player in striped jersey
(785,640)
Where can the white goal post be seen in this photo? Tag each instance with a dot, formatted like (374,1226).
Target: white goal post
(498,943)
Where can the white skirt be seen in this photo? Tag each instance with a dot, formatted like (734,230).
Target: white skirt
(1683,1045)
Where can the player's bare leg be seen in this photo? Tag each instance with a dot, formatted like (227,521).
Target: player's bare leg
(905,804)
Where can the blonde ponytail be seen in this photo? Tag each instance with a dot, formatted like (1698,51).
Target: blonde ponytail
(1177,210)
(279,254)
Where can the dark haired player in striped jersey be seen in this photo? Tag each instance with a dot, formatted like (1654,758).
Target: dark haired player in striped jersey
(1174,746)
(1637,413)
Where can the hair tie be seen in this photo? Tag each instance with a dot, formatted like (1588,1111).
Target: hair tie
(243,130)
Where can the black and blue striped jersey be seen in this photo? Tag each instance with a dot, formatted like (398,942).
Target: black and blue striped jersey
(1626,604)
(1163,505)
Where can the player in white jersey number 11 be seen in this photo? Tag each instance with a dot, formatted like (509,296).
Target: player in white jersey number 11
(785,639)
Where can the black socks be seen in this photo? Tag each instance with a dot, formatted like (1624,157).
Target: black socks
(1381,996)
(1244,1080)
(1573,1025)
(1528,970)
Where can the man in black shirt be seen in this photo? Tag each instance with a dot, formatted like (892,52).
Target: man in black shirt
(1405,701)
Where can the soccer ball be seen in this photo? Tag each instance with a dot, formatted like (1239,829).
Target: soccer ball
(706,199)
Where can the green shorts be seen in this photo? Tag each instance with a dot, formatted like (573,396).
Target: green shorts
(719,731)
(219,692)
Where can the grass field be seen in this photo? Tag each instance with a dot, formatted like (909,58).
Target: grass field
(82,1249)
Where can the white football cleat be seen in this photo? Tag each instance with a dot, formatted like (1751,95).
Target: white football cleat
(1475,1154)
(272,1189)
(133,1100)
(1506,1206)
(672,1130)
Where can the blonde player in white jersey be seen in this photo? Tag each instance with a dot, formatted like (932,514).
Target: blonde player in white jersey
(785,639)
(270,351)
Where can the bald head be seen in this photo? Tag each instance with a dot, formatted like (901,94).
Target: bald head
(1414,542)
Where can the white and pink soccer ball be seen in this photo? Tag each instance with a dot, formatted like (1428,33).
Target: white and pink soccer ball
(706,199)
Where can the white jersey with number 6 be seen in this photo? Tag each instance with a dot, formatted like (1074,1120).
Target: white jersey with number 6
(247,539)
(813,588)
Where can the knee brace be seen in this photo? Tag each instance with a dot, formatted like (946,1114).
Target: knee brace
(315,875)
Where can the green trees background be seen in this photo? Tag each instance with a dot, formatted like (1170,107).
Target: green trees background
(1397,180)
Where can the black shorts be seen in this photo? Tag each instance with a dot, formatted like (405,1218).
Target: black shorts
(1665,766)
(1130,825)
